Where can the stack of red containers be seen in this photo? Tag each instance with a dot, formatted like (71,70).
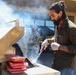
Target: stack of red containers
(16,64)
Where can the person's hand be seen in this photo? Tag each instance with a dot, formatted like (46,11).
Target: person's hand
(55,46)
(44,44)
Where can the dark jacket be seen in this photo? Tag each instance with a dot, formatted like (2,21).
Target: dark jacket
(66,36)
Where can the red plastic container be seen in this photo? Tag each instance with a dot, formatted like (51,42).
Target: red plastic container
(15,58)
(19,70)
(18,64)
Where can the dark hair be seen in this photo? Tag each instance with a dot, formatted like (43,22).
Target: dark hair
(59,6)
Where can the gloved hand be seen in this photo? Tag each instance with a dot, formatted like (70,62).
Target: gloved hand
(44,44)
(55,46)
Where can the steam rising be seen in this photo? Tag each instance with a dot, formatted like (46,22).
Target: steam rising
(26,15)
(27,10)
(6,13)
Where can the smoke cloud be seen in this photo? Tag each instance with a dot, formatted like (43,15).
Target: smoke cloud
(6,13)
(33,9)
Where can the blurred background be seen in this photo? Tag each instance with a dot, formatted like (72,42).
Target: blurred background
(34,12)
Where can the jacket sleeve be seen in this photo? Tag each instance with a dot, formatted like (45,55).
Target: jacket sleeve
(72,47)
